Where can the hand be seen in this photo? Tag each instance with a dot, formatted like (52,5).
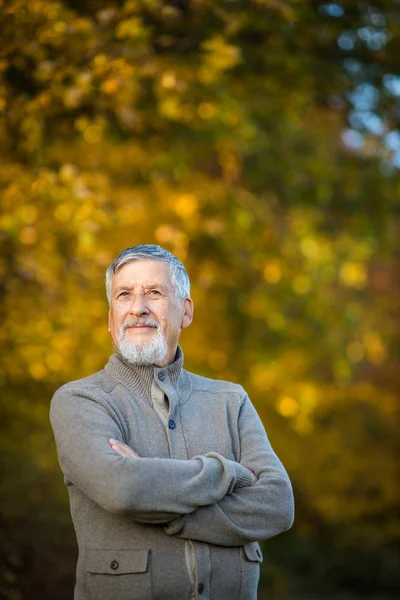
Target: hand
(255,478)
(122,449)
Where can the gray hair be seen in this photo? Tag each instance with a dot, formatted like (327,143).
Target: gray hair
(180,278)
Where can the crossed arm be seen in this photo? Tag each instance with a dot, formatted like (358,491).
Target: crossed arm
(252,513)
(144,488)
(125,450)
(218,500)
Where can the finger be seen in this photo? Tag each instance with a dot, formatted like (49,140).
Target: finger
(118,450)
(122,449)
(255,478)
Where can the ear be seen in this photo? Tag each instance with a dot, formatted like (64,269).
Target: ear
(188,313)
(109,319)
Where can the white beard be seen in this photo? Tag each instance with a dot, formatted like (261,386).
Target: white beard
(151,352)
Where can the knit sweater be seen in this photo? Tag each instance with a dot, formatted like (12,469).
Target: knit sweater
(190,482)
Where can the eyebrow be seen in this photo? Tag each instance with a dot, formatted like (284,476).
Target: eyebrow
(146,286)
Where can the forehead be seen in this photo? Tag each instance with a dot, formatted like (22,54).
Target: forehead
(143,272)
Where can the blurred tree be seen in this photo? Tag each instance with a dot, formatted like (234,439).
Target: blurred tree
(257,141)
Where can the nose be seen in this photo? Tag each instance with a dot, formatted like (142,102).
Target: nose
(139,306)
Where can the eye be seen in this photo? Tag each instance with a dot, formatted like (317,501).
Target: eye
(154,293)
(123,294)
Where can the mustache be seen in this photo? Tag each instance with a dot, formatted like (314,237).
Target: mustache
(139,323)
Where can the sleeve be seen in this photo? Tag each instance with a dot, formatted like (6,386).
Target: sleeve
(151,490)
(250,514)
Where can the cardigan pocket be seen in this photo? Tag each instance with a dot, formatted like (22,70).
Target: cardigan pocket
(123,574)
(251,557)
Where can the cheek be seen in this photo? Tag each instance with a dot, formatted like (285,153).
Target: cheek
(116,319)
(166,324)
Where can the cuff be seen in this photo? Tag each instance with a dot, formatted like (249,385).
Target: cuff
(244,478)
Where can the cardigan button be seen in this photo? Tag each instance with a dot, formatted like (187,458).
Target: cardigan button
(161,376)
(171,424)
(114,565)
(200,587)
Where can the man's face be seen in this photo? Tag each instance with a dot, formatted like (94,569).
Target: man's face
(146,316)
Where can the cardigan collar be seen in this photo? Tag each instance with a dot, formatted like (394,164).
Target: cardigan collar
(139,378)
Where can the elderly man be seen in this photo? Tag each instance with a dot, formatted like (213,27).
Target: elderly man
(171,477)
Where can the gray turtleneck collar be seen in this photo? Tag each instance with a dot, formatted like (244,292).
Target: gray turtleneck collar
(139,378)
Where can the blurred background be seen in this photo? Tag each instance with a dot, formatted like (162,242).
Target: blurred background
(259,141)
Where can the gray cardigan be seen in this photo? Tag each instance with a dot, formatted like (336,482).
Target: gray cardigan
(132,516)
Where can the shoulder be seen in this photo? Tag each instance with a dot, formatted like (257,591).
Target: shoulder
(215,386)
(83,400)
(87,387)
